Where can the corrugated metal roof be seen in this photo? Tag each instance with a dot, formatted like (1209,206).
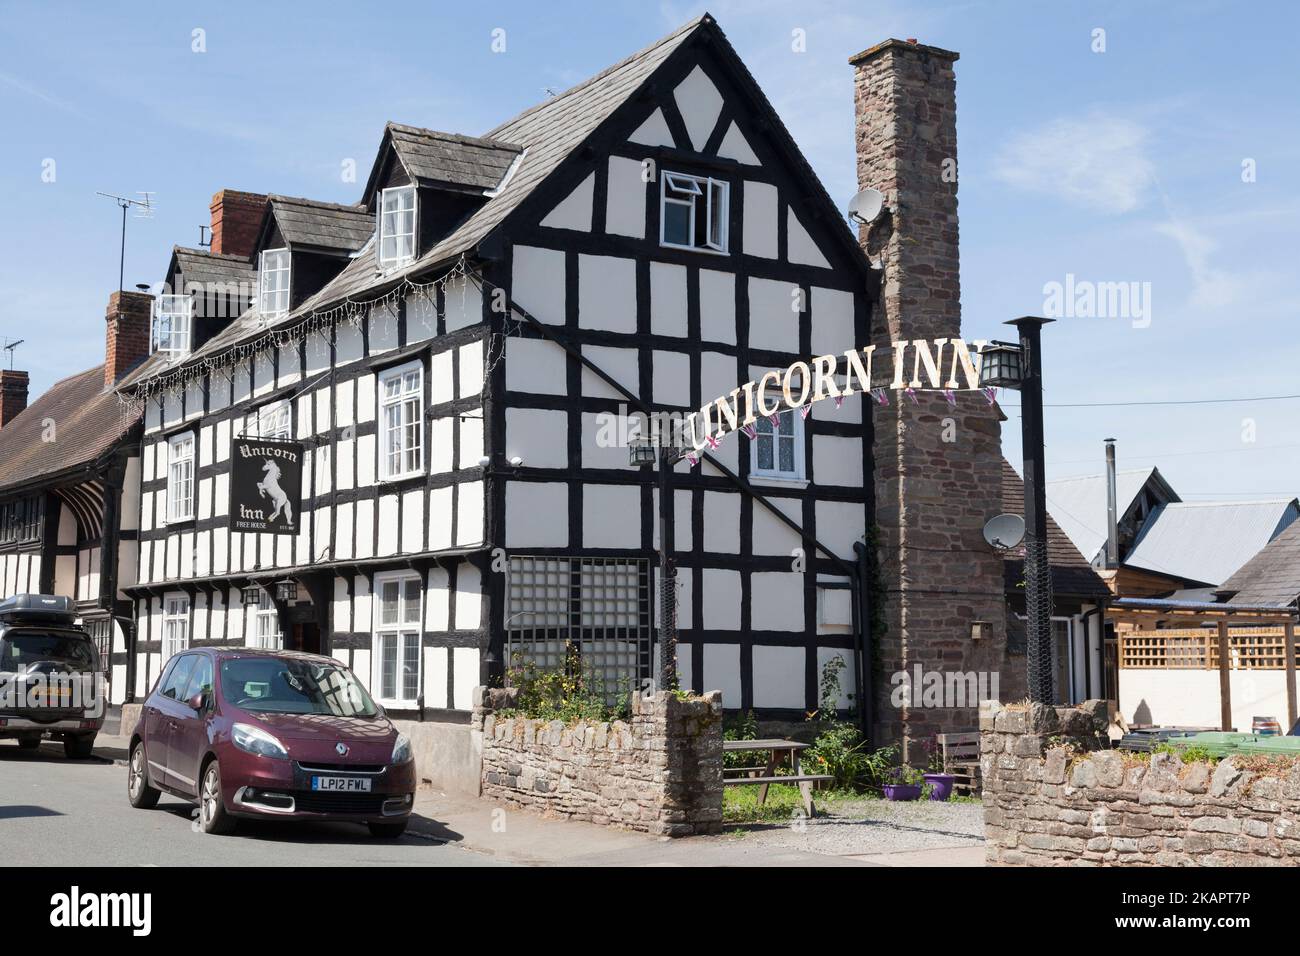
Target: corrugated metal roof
(1208,541)
(1079,505)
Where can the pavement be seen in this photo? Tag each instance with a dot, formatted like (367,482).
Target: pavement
(64,812)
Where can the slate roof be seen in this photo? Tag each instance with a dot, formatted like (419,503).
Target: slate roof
(307,222)
(87,419)
(1072,575)
(433,157)
(1271,577)
(1207,542)
(202,267)
(1079,504)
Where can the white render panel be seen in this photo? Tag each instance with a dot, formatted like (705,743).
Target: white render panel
(601,443)
(341,612)
(318,353)
(538,436)
(388,524)
(383,328)
(773,321)
(465,676)
(722,522)
(800,247)
(721,599)
(345,451)
(837,461)
(290,367)
(607,293)
(839,525)
(343,519)
(771,535)
(619,364)
(719,375)
(435,676)
(367,397)
(574,210)
(470,359)
(440,505)
(611,516)
(654,131)
(668,299)
(779,676)
(625,198)
(218,391)
(832,322)
(440,378)
(760,219)
(722,671)
(464,304)
(537,283)
(469,513)
(263,373)
(469,598)
(776,601)
(241,387)
(735,146)
(421,317)
(471,441)
(437,602)
(347,343)
(440,445)
(366,460)
(537,514)
(194,399)
(413,521)
(535,365)
(681,521)
(365,533)
(717,306)
(671,378)
(827,654)
(700,103)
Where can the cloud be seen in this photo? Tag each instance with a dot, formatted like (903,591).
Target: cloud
(1097,162)
(1212,287)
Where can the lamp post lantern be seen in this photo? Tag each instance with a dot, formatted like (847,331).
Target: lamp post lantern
(645,454)
(1020,367)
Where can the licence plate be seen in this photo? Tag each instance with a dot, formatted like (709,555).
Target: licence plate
(341,784)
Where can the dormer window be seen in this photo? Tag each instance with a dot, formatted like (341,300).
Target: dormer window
(273,279)
(693,212)
(396,225)
(172,316)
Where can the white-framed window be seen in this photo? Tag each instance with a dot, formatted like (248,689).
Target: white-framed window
(172,318)
(266,625)
(272,420)
(180,477)
(273,282)
(693,212)
(398,606)
(396,225)
(176,625)
(401,424)
(776,451)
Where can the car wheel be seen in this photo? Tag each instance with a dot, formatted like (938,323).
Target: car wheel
(387,831)
(213,817)
(80,747)
(142,796)
(29,743)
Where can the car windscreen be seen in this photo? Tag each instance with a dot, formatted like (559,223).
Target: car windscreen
(271,685)
(20,649)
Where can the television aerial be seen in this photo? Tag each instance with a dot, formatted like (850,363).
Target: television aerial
(866,206)
(1005,532)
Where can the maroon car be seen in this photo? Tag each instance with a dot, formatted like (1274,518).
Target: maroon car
(271,735)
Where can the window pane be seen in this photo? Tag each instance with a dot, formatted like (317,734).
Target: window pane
(411,667)
(411,601)
(677,223)
(765,452)
(388,666)
(388,602)
(786,447)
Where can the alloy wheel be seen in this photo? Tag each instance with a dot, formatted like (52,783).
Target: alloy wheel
(211,794)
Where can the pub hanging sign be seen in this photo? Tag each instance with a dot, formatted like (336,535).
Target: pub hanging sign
(265,485)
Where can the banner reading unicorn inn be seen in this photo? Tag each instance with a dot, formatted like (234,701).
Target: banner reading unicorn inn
(265,485)
(913,365)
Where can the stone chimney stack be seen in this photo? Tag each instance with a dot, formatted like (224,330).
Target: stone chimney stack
(126,337)
(938,469)
(236,221)
(13,394)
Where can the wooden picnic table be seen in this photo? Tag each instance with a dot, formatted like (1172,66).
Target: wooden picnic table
(778,751)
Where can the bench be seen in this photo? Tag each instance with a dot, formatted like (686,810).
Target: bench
(961,758)
(778,751)
(804,781)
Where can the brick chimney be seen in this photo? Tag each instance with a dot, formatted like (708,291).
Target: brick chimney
(236,220)
(126,338)
(938,470)
(13,394)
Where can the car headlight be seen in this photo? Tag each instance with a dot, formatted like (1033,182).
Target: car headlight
(255,740)
(401,749)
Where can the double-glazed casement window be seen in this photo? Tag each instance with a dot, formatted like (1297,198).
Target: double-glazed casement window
(180,477)
(777,449)
(172,318)
(273,420)
(396,652)
(176,624)
(266,631)
(693,212)
(273,282)
(401,424)
(396,225)
(20,520)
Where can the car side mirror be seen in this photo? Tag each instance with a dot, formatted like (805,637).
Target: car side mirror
(199,702)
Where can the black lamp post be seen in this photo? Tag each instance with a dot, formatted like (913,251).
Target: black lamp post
(645,454)
(1006,365)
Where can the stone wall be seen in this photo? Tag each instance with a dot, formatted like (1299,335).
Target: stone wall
(660,771)
(1054,797)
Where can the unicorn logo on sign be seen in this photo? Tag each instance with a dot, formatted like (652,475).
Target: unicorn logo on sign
(270,487)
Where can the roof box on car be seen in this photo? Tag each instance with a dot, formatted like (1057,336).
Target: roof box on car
(31,607)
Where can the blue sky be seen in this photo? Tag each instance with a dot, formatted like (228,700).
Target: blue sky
(1117,166)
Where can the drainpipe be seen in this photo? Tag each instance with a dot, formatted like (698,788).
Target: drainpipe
(862,638)
(1111,560)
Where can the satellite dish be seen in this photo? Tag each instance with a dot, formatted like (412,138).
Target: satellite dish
(865,207)
(1005,531)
